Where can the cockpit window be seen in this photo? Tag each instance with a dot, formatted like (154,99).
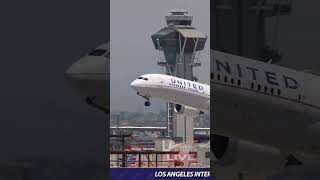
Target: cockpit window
(97,52)
(143,78)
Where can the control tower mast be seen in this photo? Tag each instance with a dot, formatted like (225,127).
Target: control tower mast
(180,43)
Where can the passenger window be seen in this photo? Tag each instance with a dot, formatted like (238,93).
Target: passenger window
(252,85)
(271,90)
(239,82)
(265,89)
(146,79)
(225,79)
(279,92)
(232,81)
(218,77)
(259,87)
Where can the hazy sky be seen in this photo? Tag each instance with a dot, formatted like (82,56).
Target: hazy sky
(133,53)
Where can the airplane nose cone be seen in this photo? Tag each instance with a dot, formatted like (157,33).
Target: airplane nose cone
(88,67)
(137,85)
(76,69)
(134,84)
(70,73)
(89,76)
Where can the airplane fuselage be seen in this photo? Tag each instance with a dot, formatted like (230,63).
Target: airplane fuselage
(174,89)
(254,101)
(265,103)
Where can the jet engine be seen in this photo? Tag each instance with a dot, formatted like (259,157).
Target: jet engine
(245,156)
(187,110)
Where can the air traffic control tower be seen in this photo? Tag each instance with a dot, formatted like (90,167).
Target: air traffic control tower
(180,43)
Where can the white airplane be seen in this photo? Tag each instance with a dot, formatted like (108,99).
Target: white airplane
(189,96)
(265,118)
(90,76)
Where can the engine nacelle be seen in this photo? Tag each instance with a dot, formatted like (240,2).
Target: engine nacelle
(187,110)
(244,156)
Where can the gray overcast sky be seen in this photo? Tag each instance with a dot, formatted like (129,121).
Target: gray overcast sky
(133,53)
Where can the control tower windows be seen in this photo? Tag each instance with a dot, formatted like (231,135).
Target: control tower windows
(182,22)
